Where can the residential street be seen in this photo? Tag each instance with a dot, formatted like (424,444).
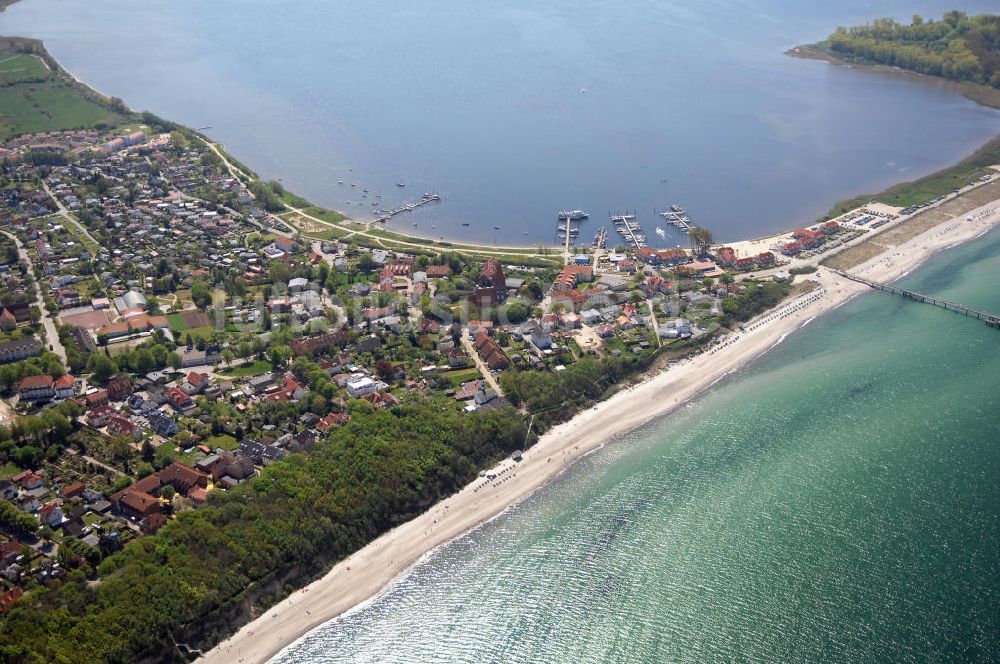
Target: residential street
(51,334)
(483,369)
(66,215)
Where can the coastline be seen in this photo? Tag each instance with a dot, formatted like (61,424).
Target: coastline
(366,574)
(980,94)
(470,508)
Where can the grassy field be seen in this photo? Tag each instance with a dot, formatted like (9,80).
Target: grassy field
(251,369)
(16,68)
(8,470)
(190,321)
(33,98)
(33,107)
(225,442)
(74,230)
(180,322)
(459,376)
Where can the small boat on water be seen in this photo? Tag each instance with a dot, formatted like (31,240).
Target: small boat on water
(400,184)
(573,215)
(464,224)
(496,228)
(340,182)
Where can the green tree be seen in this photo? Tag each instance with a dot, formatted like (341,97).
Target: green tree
(101,367)
(700,239)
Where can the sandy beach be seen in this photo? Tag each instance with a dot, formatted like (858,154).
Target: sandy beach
(365,574)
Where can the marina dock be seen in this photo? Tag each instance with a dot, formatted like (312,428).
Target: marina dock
(601,239)
(568,229)
(627,226)
(677,217)
(386,215)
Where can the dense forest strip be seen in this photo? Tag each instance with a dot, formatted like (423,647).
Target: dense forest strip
(202,572)
(958,48)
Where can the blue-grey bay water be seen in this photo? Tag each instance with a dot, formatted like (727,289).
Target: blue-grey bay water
(838,501)
(514,110)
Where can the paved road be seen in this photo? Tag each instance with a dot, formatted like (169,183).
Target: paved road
(430,244)
(67,216)
(483,369)
(654,323)
(51,334)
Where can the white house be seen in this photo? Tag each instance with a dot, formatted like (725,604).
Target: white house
(361,387)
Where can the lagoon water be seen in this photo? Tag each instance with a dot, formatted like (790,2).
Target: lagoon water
(838,501)
(515,110)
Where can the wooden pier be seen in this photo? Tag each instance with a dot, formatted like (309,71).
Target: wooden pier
(627,226)
(386,215)
(677,218)
(991,320)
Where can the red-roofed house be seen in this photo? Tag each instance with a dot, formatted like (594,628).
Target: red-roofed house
(672,256)
(331,420)
(491,354)
(28,479)
(807,238)
(36,388)
(100,416)
(8,321)
(65,386)
(97,399)
(289,391)
(286,244)
(726,256)
(119,388)
(72,490)
(51,514)
(179,400)
(571,275)
(119,426)
(9,597)
(198,380)
(438,271)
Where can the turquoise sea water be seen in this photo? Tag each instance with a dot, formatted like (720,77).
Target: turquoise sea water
(514,110)
(837,501)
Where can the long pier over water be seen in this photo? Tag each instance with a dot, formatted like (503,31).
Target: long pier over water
(990,319)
